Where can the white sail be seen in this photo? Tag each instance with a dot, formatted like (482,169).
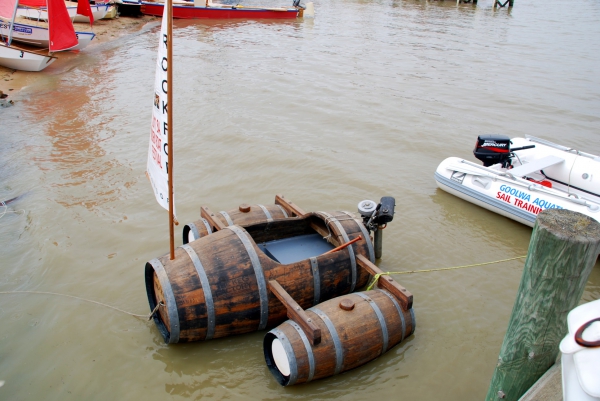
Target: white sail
(157,167)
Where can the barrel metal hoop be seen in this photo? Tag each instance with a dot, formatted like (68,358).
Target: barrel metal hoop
(339,351)
(414,321)
(283,211)
(194,231)
(349,248)
(314,264)
(210,305)
(229,221)
(258,272)
(311,357)
(366,236)
(290,354)
(382,324)
(266,212)
(399,310)
(207,225)
(169,299)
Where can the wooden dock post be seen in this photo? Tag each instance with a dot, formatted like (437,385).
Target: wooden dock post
(563,250)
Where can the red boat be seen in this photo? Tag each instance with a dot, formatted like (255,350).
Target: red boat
(221,11)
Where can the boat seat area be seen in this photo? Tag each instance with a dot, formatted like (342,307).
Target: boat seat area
(295,249)
(536,165)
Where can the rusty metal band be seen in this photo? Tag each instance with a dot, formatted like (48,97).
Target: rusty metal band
(194,231)
(314,266)
(290,354)
(169,299)
(399,310)
(309,352)
(414,321)
(258,272)
(266,212)
(207,225)
(283,211)
(339,351)
(349,248)
(382,324)
(229,221)
(208,299)
(366,236)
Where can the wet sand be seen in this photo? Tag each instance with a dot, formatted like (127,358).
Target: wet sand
(12,81)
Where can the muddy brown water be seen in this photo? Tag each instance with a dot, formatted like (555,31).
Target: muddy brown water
(363,101)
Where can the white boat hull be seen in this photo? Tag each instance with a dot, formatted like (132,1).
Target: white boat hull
(23,60)
(39,37)
(98,11)
(575,183)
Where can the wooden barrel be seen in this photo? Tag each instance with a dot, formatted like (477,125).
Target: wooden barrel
(217,285)
(243,216)
(355,329)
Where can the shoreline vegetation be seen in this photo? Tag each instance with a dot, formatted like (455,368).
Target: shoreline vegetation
(106,30)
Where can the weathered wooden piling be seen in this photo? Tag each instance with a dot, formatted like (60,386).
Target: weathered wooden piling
(563,250)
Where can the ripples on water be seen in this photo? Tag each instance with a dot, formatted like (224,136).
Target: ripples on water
(363,101)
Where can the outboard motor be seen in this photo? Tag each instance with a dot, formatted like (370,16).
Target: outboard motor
(493,149)
(376,216)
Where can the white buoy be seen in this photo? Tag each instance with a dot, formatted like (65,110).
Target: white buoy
(309,11)
(281,359)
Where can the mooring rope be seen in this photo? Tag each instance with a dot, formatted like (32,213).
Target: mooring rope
(148,317)
(376,277)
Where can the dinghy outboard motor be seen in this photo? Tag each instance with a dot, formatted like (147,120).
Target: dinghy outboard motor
(376,217)
(495,148)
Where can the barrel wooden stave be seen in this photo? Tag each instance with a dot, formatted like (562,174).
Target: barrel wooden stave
(195,230)
(360,333)
(233,284)
(256,214)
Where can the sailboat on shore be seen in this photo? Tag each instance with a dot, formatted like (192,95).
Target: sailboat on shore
(61,37)
(39,35)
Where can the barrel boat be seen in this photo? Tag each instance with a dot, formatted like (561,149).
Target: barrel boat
(520,177)
(218,283)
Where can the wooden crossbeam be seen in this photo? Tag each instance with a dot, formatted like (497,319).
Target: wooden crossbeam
(387,283)
(213,220)
(289,206)
(296,313)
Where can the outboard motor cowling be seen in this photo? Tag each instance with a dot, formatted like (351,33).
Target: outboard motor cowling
(493,149)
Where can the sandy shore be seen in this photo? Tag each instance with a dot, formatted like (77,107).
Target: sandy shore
(11,81)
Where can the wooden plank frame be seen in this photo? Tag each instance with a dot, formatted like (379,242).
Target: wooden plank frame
(214,222)
(296,313)
(387,283)
(289,206)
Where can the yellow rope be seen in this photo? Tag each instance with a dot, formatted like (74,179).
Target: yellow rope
(81,299)
(437,270)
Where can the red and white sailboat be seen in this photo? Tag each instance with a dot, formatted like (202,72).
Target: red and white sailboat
(61,34)
(38,35)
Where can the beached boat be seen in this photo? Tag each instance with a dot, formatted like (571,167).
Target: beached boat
(61,33)
(99,10)
(523,176)
(208,10)
(23,60)
(39,36)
